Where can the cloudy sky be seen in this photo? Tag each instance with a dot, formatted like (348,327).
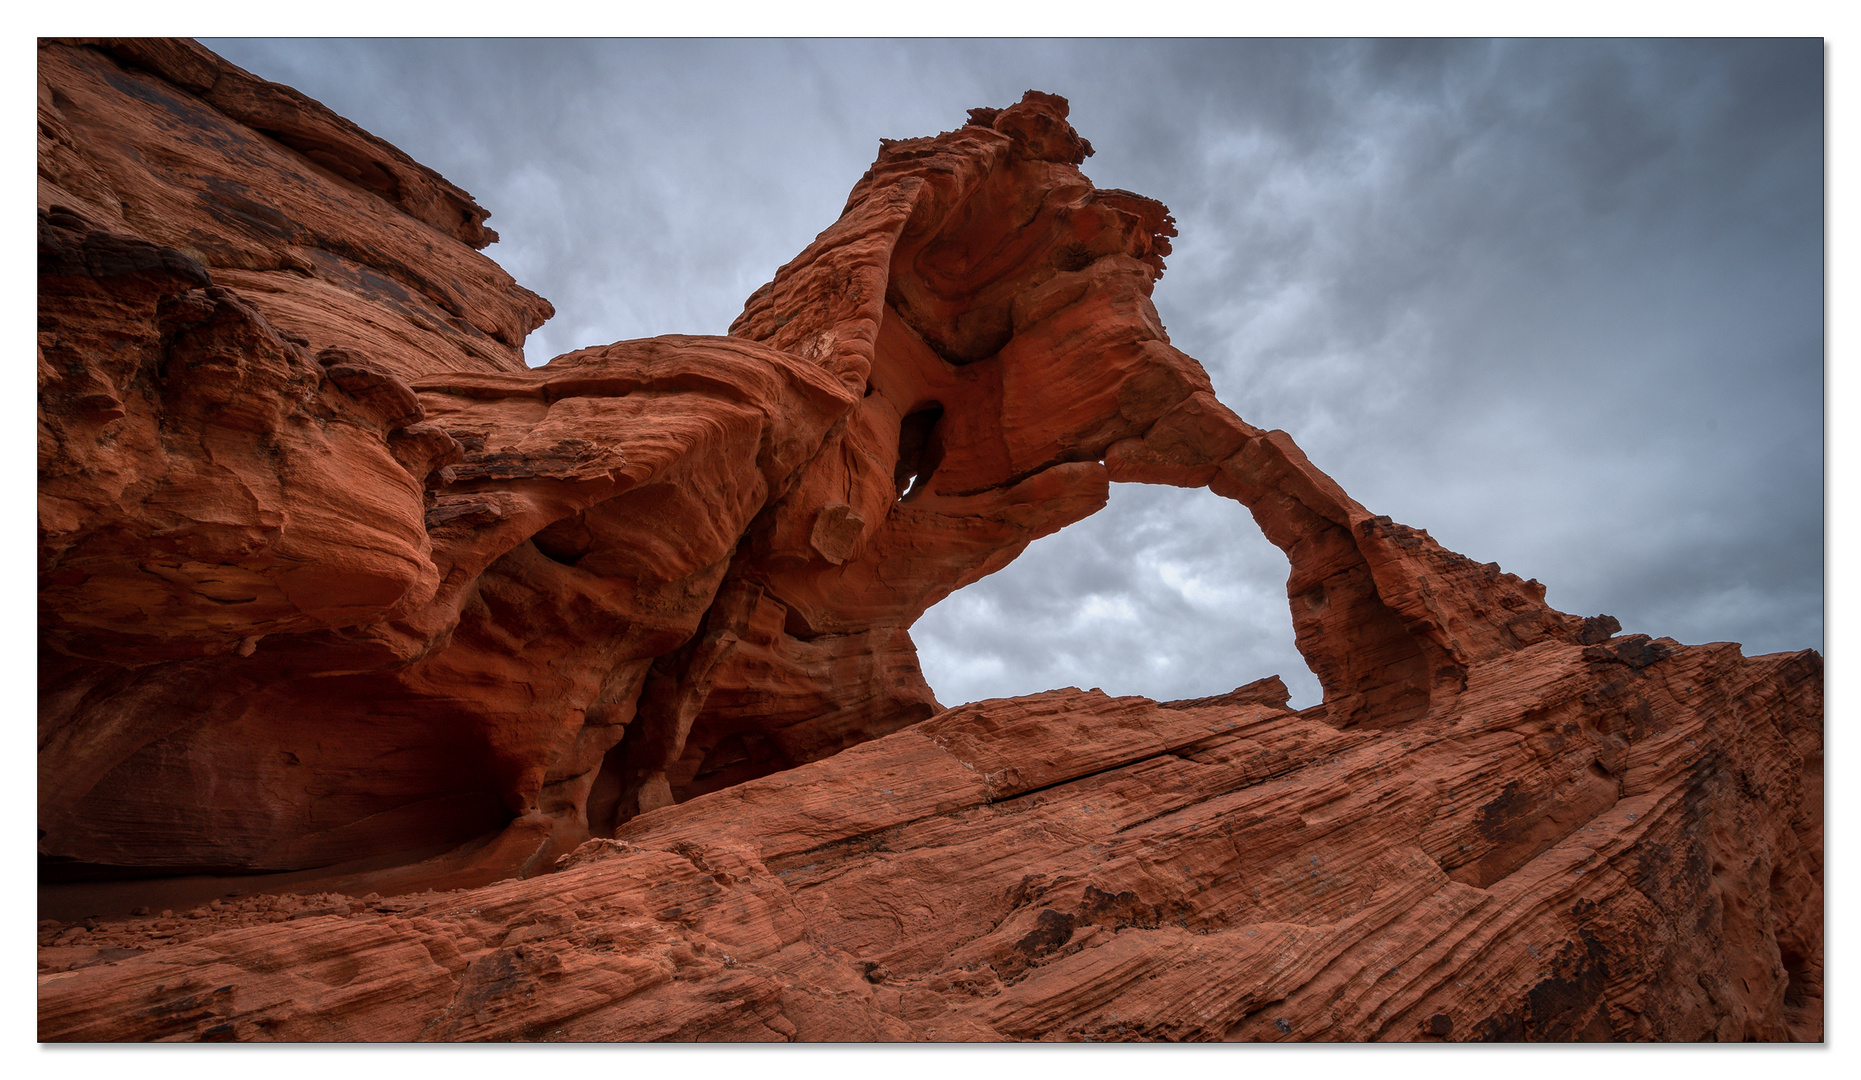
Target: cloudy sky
(1558,302)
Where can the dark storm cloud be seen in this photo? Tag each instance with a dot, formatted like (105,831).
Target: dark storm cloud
(1559,302)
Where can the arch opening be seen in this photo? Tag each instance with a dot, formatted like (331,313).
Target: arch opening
(1167,593)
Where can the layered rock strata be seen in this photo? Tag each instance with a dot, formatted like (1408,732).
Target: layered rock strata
(1577,850)
(334,587)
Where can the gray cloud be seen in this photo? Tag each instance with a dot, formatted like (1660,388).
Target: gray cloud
(1558,302)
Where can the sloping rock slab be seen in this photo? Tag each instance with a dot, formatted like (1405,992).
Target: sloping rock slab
(1585,849)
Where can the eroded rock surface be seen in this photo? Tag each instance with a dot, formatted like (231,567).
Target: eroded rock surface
(334,587)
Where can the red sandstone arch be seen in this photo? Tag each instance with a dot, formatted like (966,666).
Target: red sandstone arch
(328,575)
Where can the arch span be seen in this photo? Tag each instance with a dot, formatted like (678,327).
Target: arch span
(987,302)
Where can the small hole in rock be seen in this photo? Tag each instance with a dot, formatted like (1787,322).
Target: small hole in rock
(919,450)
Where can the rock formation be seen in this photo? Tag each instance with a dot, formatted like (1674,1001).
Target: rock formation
(338,595)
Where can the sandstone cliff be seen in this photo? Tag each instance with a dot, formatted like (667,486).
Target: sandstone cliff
(337,594)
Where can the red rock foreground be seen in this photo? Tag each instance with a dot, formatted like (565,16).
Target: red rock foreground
(341,602)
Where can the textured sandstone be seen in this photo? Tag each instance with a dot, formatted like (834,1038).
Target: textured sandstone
(333,587)
(1543,861)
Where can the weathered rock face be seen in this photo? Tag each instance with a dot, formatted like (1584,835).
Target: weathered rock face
(1576,850)
(333,586)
